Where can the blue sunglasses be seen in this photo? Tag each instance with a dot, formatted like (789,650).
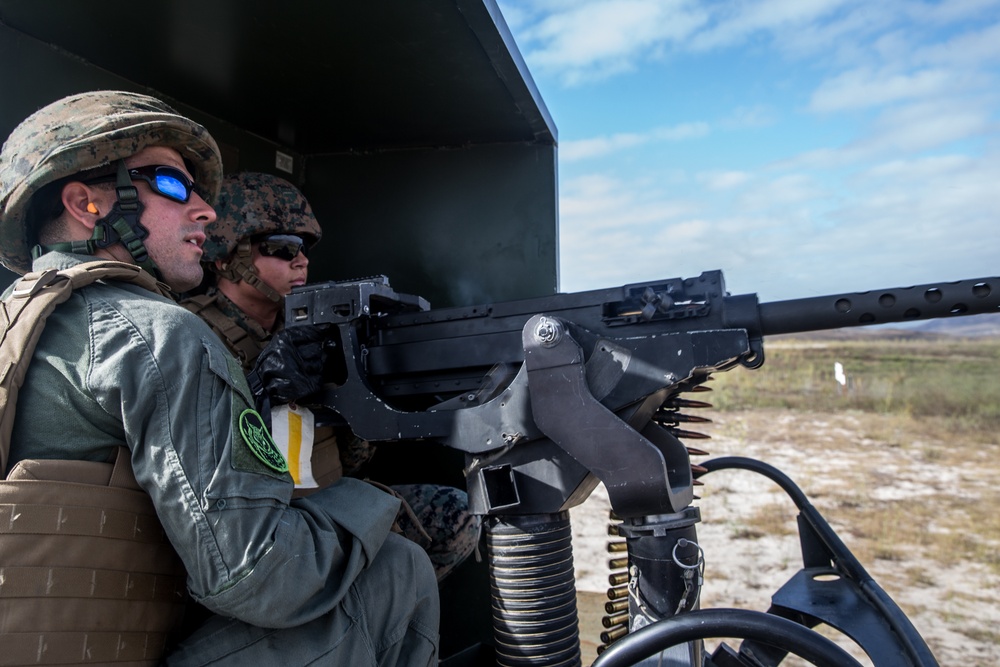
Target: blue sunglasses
(169,182)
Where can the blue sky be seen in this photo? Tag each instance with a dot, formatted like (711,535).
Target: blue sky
(804,147)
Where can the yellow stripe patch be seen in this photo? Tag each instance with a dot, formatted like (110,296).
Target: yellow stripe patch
(293,429)
(294,445)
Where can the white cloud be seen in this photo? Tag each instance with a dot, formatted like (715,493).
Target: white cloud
(933,168)
(909,197)
(941,13)
(735,22)
(598,202)
(863,88)
(592,198)
(724,180)
(616,232)
(589,40)
(788,190)
(743,117)
(900,222)
(580,149)
(903,130)
(926,125)
(938,190)
(974,48)
(597,38)
(681,132)
(917,221)
(842,38)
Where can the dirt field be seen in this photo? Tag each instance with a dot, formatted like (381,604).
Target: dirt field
(916,505)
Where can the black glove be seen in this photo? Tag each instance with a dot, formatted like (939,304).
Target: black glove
(290,367)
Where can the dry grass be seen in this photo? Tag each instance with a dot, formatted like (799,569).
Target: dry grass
(924,525)
(953,381)
(911,487)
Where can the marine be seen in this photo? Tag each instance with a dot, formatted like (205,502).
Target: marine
(114,177)
(256,252)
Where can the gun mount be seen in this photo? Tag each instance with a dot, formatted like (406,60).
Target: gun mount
(548,396)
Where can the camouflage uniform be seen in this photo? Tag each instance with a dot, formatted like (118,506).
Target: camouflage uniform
(288,582)
(443,525)
(255,203)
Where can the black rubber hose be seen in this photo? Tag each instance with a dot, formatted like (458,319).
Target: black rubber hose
(533,590)
(736,623)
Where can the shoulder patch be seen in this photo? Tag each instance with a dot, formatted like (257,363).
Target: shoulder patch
(260,442)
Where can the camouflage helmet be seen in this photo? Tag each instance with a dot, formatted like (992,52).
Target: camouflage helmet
(83,132)
(253,203)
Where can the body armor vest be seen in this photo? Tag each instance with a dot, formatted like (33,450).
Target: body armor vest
(86,572)
(245,348)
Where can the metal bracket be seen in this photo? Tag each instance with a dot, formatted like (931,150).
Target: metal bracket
(642,478)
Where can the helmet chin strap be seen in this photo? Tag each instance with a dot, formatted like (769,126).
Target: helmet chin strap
(120,225)
(240,267)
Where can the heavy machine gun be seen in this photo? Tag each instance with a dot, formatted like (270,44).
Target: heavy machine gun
(549,396)
(417,127)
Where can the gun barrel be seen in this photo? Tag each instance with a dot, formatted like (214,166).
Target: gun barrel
(898,304)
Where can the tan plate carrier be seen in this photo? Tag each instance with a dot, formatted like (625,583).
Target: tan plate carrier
(87,575)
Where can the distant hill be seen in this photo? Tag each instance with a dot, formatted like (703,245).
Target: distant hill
(972,326)
(987,324)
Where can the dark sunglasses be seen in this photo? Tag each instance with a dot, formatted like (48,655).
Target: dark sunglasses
(282,246)
(169,182)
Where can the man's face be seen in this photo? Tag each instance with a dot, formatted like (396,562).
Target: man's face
(176,230)
(281,275)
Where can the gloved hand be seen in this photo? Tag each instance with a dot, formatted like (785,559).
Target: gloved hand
(290,367)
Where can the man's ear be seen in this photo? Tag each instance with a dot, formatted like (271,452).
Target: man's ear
(84,204)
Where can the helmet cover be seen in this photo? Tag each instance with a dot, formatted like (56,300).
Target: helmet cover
(253,203)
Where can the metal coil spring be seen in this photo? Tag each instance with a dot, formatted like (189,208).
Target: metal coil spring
(533,589)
